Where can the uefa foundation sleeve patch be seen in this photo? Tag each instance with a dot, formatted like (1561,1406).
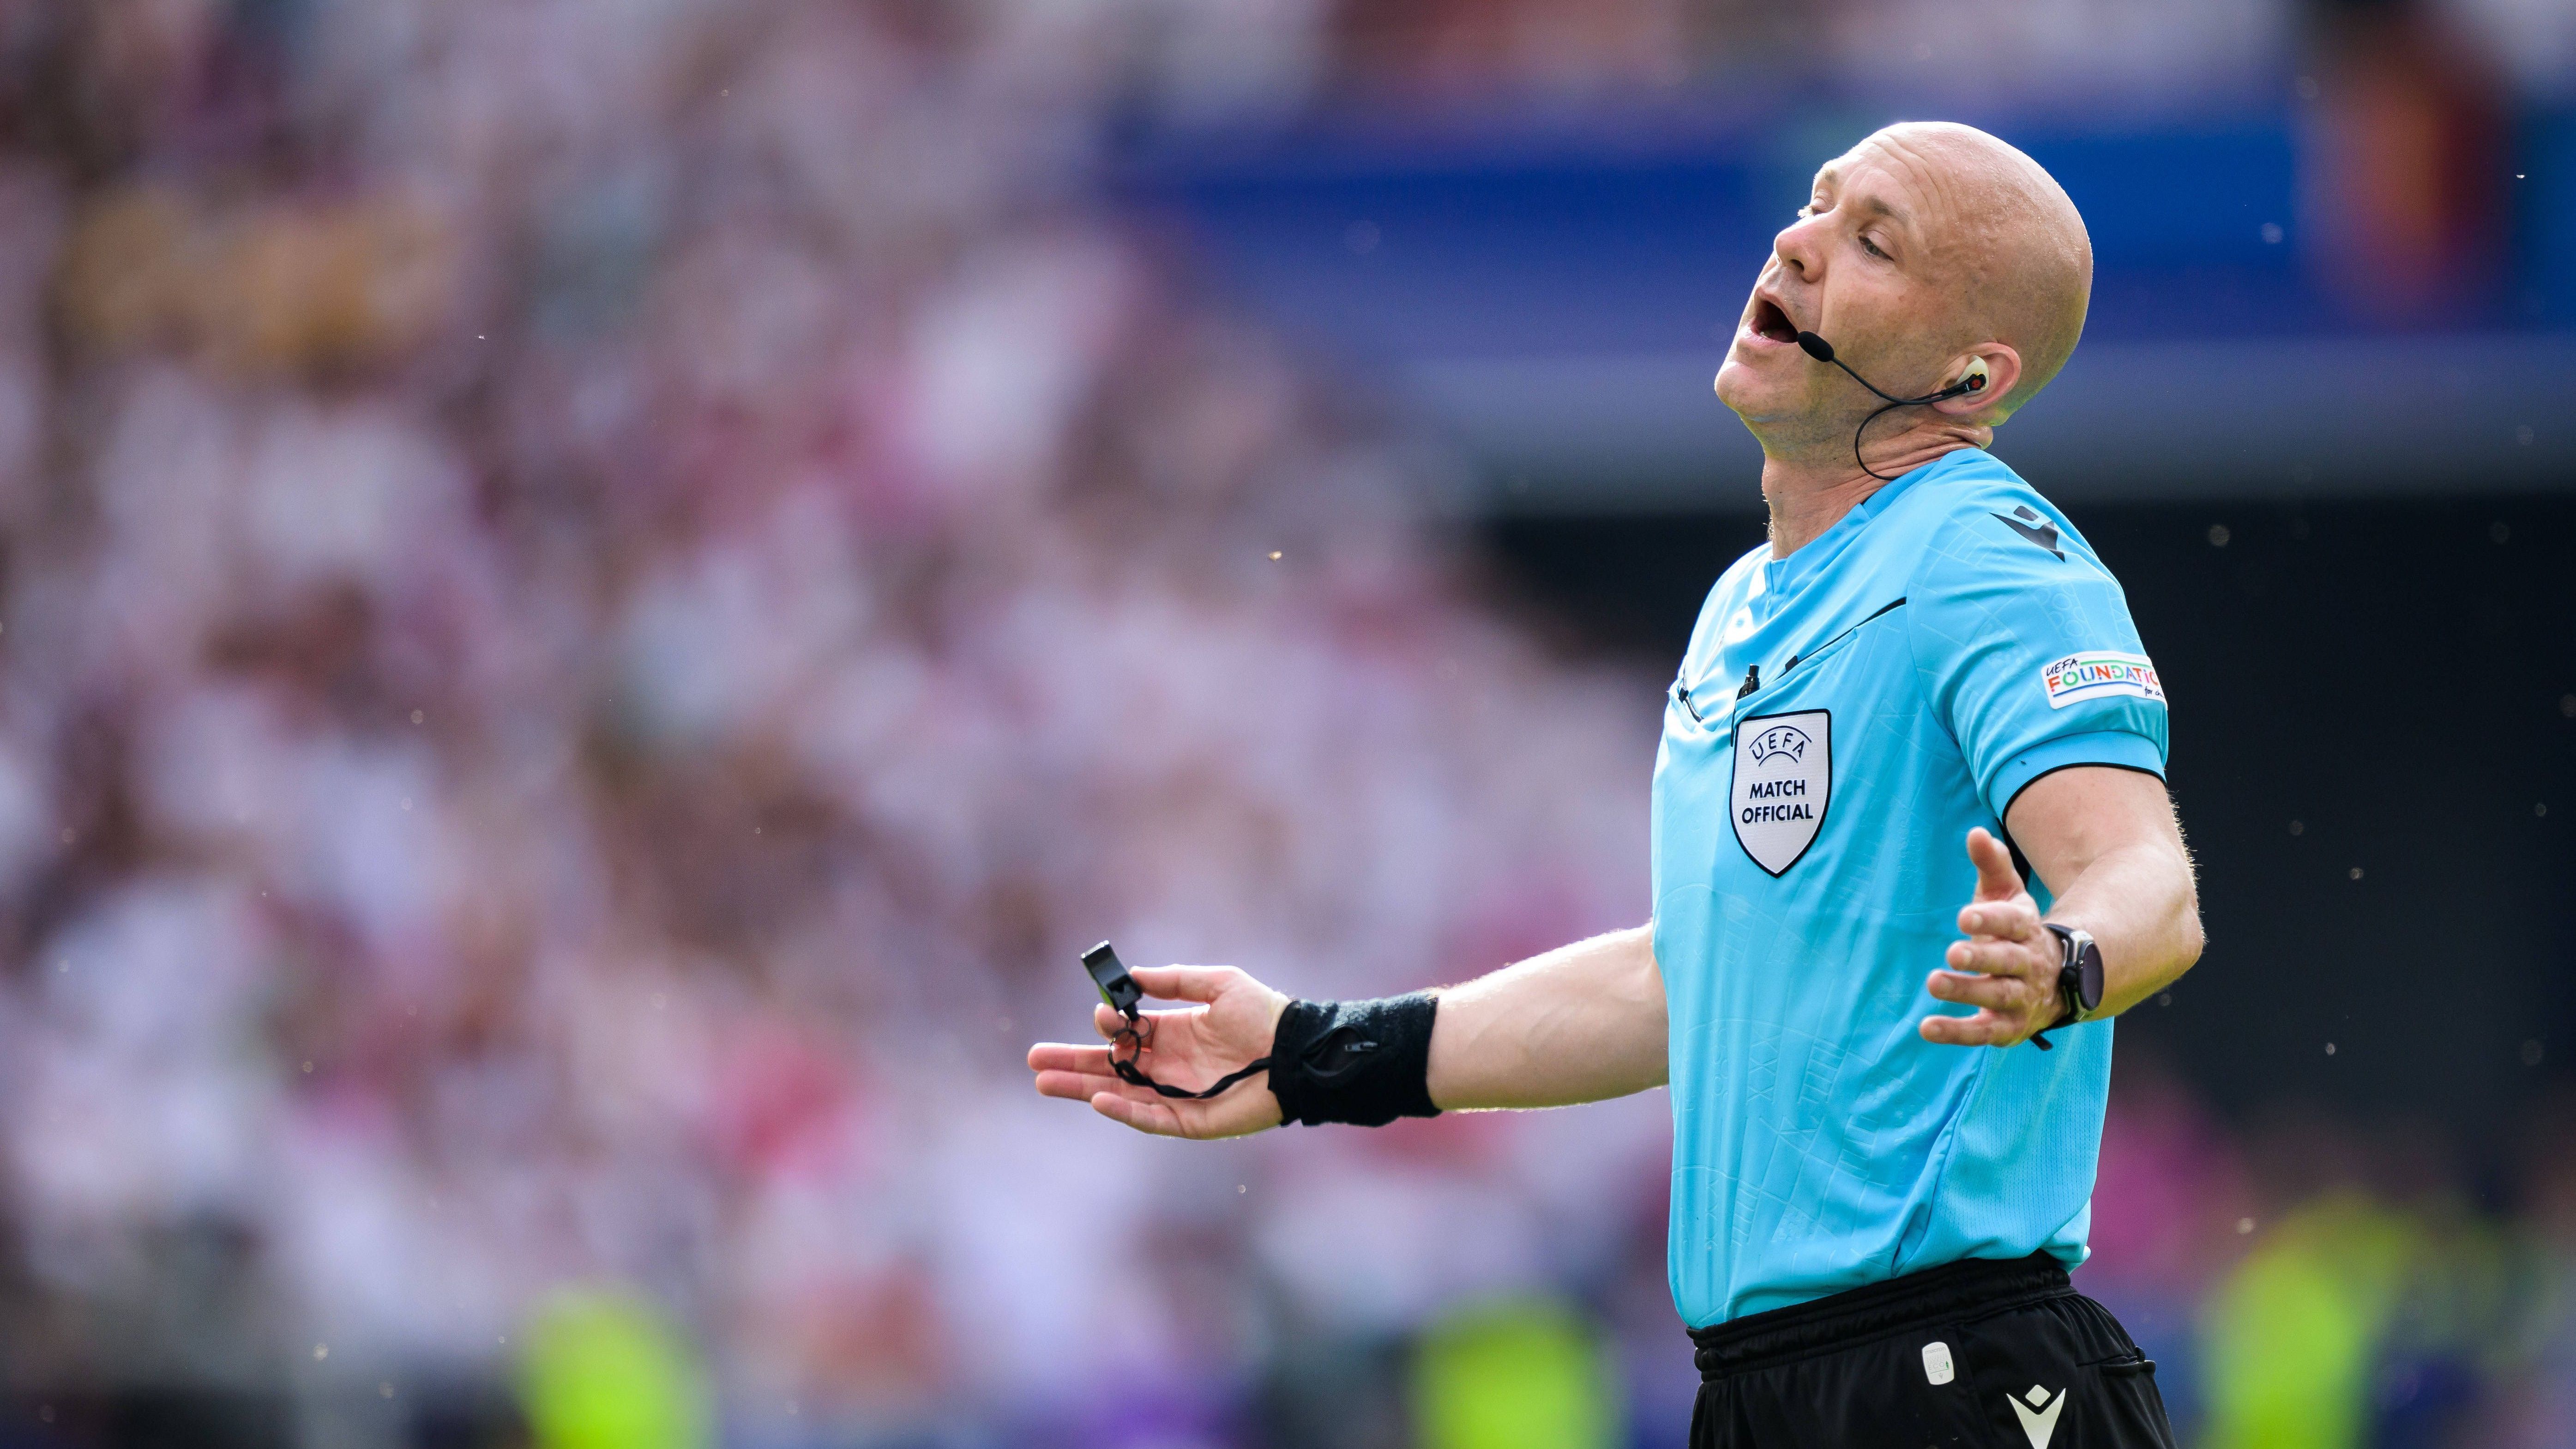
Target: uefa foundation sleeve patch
(2100,674)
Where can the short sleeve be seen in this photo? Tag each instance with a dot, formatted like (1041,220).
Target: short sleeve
(2027,656)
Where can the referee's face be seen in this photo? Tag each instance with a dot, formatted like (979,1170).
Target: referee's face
(1863,266)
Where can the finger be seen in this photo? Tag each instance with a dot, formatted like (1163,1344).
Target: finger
(2005,994)
(2012,920)
(1184,983)
(1075,1086)
(1056,1056)
(1996,878)
(1983,1029)
(1995,958)
(1156,1117)
(1148,1025)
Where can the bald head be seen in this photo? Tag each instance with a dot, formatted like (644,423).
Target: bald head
(1949,273)
(2003,237)
(1928,255)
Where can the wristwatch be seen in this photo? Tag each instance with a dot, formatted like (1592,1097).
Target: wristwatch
(2079,973)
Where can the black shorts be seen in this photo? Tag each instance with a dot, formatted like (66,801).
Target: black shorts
(1983,1353)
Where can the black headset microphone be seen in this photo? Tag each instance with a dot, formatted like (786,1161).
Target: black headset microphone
(1823,351)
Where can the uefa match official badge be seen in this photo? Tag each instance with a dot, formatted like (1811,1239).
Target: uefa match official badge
(1784,775)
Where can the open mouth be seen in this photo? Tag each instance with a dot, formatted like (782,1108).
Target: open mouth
(1770,322)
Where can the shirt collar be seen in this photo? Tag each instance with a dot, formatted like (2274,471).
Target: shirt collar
(1784,576)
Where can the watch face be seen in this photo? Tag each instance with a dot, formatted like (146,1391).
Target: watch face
(2088,968)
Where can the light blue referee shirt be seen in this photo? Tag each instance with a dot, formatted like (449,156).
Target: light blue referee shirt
(1940,647)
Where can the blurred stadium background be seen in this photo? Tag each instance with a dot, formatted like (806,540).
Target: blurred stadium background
(596,596)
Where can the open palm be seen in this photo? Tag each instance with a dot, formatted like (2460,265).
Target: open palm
(1189,1048)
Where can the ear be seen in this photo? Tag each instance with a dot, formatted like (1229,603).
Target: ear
(2001,367)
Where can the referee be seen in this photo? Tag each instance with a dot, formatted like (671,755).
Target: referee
(1888,1055)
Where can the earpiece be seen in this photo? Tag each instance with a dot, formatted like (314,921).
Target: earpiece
(1974,380)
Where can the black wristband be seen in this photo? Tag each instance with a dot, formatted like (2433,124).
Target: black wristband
(1363,1062)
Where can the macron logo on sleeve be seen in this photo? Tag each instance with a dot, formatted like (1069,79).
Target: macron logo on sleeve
(2100,674)
(2033,529)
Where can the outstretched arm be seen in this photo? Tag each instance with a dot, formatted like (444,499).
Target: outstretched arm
(2107,845)
(1579,1024)
(1582,1023)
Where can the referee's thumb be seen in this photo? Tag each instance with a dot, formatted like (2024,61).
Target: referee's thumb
(1183,983)
(1996,878)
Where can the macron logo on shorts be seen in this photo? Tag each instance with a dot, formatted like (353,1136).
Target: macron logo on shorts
(2040,1424)
(2100,674)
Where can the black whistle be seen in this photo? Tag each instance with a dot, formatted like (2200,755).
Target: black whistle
(1116,987)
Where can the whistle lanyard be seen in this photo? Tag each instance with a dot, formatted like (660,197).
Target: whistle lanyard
(1133,1036)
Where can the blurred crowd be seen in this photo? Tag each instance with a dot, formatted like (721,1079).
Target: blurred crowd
(598,596)
(2309,1282)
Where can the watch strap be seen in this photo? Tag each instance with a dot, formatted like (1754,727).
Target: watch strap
(2070,1000)
(2073,945)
